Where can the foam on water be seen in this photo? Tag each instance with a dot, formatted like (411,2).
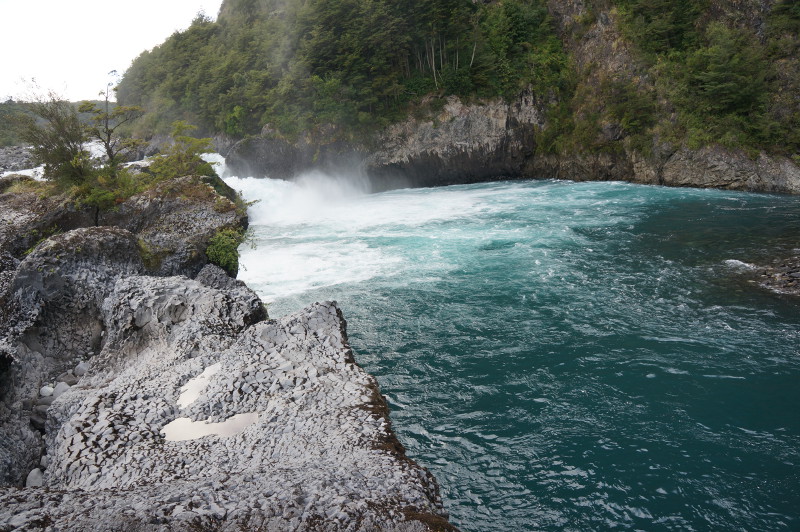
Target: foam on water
(733,263)
(217,162)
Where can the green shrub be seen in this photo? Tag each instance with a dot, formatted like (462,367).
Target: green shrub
(58,139)
(183,156)
(223,250)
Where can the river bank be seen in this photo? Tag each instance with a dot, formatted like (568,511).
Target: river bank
(104,327)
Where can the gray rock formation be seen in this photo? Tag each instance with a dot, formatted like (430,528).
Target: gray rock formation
(313,448)
(462,144)
(50,319)
(50,301)
(466,143)
(13,158)
(782,276)
(131,400)
(173,222)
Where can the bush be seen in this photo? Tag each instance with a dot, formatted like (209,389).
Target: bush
(223,250)
(106,188)
(183,157)
(58,141)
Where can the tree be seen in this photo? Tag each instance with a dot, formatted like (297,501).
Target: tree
(104,123)
(58,140)
(729,75)
(183,156)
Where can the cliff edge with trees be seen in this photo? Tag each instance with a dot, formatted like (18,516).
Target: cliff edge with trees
(595,89)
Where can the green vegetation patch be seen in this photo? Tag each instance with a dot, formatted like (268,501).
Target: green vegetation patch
(223,250)
(359,64)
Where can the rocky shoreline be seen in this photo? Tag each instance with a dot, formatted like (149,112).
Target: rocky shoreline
(141,388)
(15,158)
(473,142)
(782,276)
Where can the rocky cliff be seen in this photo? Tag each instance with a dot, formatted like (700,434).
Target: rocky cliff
(464,142)
(143,389)
(467,143)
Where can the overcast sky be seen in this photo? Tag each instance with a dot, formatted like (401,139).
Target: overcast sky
(70,46)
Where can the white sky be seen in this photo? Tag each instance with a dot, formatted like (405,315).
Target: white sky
(70,46)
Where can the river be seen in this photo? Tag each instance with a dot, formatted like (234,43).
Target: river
(560,355)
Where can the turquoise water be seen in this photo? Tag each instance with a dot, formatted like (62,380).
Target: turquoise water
(561,355)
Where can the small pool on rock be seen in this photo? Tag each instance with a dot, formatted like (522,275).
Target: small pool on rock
(184,428)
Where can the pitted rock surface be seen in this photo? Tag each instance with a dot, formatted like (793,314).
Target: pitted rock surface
(57,268)
(320,456)
(175,221)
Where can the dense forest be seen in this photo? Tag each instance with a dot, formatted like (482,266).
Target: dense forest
(348,67)
(299,64)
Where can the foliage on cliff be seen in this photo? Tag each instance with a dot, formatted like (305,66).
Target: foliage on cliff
(698,71)
(223,250)
(10,113)
(713,74)
(353,63)
(720,70)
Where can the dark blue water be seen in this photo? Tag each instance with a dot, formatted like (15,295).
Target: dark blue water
(560,355)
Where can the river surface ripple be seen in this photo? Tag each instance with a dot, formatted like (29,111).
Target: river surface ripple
(561,355)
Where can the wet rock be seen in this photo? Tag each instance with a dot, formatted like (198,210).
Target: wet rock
(783,276)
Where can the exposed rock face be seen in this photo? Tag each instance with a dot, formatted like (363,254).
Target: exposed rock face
(173,222)
(316,453)
(716,167)
(131,401)
(463,144)
(496,140)
(50,318)
(14,158)
(50,301)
